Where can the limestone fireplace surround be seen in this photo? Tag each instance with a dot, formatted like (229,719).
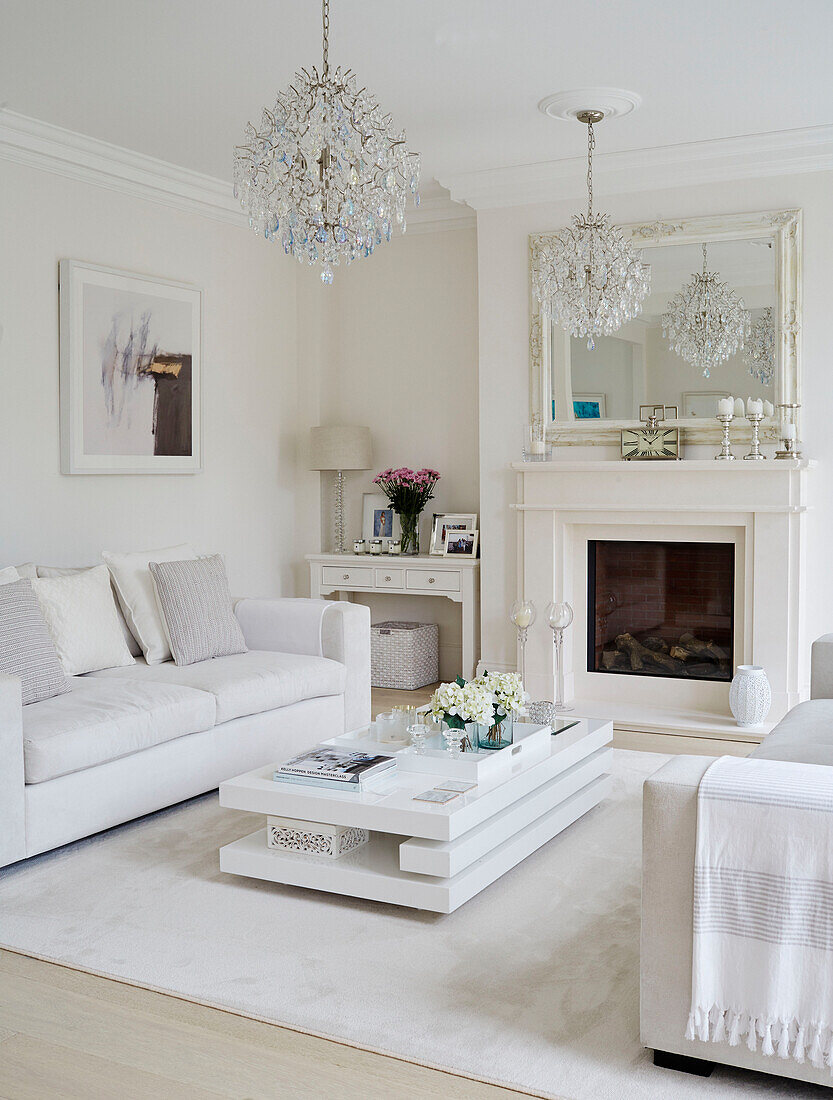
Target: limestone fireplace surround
(760,507)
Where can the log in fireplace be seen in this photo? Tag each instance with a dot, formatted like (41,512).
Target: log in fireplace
(661,608)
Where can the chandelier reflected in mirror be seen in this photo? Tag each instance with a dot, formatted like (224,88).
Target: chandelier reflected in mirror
(759,350)
(327,175)
(587,276)
(706,322)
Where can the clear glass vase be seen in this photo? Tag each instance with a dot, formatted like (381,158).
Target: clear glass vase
(409,522)
(497,736)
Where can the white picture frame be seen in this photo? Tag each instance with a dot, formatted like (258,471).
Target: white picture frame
(599,399)
(372,505)
(458,521)
(130,372)
(453,549)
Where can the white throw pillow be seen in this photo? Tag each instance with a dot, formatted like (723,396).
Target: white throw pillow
(134,587)
(28,571)
(73,570)
(81,614)
(9,575)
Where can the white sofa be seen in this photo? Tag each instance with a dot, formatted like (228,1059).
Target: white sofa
(669,822)
(127,741)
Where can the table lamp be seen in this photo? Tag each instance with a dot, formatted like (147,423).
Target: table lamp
(340,449)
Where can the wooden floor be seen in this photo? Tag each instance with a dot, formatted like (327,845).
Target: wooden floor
(68,1035)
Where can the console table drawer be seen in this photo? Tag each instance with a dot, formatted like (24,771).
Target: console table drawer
(390,578)
(433,580)
(333,574)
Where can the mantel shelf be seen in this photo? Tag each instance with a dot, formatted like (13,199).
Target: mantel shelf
(781,466)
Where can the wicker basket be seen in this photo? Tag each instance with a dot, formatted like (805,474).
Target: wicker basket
(404,655)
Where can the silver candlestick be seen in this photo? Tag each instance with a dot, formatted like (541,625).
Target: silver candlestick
(755,453)
(725,448)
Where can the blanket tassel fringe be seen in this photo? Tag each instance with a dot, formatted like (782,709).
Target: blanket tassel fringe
(810,1042)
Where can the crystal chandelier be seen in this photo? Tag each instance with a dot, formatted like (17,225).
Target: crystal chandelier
(327,175)
(759,351)
(587,276)
(706,321)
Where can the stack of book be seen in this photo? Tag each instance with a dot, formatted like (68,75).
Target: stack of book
(325,766)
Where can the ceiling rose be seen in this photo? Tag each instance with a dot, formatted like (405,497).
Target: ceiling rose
(327,175)
(609,102)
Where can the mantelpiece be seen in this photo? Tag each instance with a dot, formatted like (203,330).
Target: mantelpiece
(759,507)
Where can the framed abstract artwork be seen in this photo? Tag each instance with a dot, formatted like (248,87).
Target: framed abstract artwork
(131,373)
(589,406)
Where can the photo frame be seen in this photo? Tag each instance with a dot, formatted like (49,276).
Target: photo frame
(131,372)
(379,521)
(590,406)
(443,521)
(462,544)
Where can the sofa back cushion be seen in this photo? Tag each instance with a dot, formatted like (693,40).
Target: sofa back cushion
(134,588)
(197,610)
(26,647)
(80,611)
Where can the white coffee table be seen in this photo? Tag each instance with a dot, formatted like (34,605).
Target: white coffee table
(421,854)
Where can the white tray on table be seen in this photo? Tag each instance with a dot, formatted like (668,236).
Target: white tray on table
(531,744)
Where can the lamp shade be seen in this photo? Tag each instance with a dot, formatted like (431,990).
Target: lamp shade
(340,448)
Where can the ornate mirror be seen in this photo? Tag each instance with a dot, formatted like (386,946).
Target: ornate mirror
(585,396)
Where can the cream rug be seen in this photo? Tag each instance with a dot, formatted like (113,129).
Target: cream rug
(534,983)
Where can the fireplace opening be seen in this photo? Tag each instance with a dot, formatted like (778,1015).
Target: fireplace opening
(661,609)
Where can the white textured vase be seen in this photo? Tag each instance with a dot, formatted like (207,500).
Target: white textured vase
(750,695)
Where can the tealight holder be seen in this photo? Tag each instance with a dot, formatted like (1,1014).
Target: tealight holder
(725,421)
(755,452)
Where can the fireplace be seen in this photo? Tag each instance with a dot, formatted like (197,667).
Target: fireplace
(661,609)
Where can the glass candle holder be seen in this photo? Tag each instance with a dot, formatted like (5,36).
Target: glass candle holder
(419,734)
(559,617)
(522,616)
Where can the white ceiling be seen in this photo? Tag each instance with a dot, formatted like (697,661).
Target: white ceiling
(178,79)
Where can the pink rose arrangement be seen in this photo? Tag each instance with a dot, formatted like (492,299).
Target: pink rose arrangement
(408,491)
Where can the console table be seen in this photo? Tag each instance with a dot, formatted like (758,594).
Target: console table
(454,579)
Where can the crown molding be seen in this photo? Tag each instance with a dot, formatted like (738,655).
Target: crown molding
(41,145)
(784,152)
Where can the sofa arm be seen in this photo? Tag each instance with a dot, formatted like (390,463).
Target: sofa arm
(12,803)
(669,834)
(821,675)
(321,628)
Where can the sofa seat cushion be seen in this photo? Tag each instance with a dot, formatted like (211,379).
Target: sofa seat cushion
(805,735)
(247,683)
(102,720)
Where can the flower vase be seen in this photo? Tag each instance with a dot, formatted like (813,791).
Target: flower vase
(499,735)
(409,522)
(471,741)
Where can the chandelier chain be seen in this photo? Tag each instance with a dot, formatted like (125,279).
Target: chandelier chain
(591,145)
(325,19)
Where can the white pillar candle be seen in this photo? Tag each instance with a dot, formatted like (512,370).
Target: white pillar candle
(739,409)
(754,407)
(537,447)
(788,431)
(725,406)
(523,618)
(769,409)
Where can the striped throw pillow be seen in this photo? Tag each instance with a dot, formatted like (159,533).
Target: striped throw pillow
(26,646)
(196,609)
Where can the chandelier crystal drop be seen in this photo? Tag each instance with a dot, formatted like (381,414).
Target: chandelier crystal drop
(587,276)
(706,322)
(326,175)
(759,351)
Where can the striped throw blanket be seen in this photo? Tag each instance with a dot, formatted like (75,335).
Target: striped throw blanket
(763,909)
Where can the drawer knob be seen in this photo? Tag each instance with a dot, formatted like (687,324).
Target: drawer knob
(430,580)
(345,577)
(387,578)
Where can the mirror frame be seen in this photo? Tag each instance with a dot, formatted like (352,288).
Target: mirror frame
(783,226)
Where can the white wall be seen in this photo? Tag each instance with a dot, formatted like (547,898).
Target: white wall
(243,503)
(504,365)
(393,344)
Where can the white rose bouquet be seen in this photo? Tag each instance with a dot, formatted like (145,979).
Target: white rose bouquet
(508,698)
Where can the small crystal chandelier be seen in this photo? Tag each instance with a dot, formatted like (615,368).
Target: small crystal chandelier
(759,352)
(326,175)
(587,276)
(706,321)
